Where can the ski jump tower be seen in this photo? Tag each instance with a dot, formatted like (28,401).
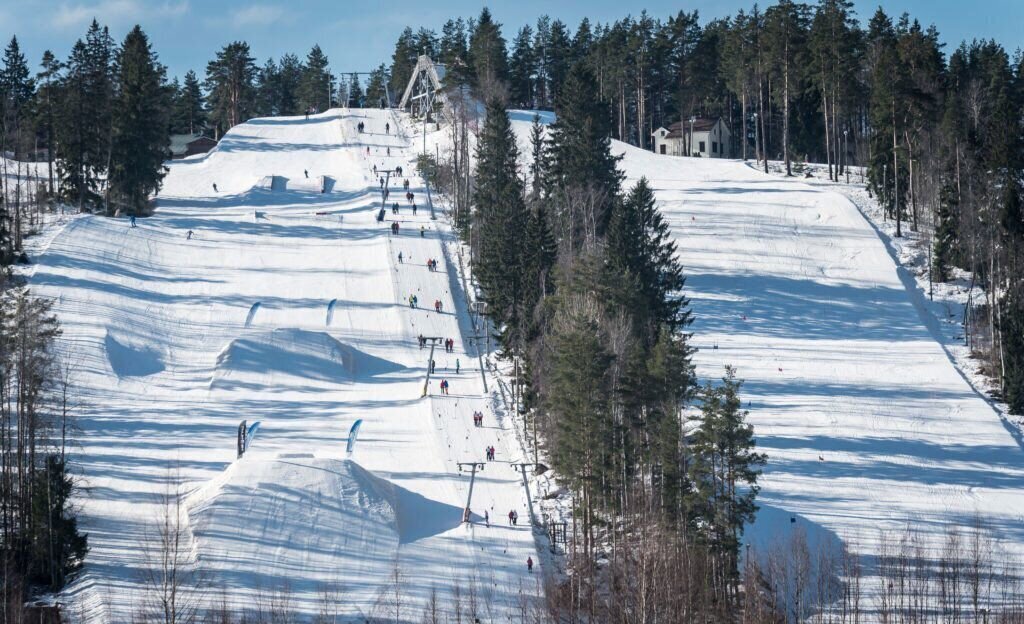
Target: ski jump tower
(425,90)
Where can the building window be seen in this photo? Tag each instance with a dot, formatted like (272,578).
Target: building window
(714,147)
(702,147)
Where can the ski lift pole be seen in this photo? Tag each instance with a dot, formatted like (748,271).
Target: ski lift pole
(473,467)
(430,362)
(521,467)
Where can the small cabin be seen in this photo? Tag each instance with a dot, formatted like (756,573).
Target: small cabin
(700,137)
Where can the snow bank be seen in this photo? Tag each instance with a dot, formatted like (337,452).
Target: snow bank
(312,356)
(317,519)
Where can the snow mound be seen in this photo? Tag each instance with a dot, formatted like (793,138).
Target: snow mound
(315,357)
(318,518)
(129,358)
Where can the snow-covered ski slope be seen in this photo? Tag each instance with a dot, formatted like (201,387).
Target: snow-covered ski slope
(867,423)
(287,306)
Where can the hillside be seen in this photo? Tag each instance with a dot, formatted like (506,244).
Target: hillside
(286,306)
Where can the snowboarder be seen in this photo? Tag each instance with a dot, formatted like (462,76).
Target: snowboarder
(132,220)
(399,257)
(529,565)
(189,235)
(306,171)
(387,128)
(214,187)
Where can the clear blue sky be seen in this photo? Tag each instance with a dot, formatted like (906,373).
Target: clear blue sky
(357,36)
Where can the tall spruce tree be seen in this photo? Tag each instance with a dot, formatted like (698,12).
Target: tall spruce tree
(140,115)
(640,245)
(189,114)
(582,175)
(487,56)
(500,220)
(229,85)
(315,87)
(522,69)
(723,469)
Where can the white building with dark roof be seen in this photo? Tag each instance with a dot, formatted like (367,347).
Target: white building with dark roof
(703,138)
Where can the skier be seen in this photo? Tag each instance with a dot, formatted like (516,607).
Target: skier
(387,128)
(382,182)
(189,235)
(423,230)
(306,171)
(375,170)
(511,514)
(389,150)
(414,209)
(412,301)
(422,340)
(405,183)
(487,518)
(399,257)
(457,366)
(132,220)
(214,187)
(515,518)
(529,565)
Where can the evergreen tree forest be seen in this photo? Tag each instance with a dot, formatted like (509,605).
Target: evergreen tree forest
(579,274)
(937,133)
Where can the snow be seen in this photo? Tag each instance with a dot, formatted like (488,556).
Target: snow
(867,422)
(287,306)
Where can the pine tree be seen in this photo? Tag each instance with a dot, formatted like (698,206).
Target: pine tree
(355,92)
(315,89)
(376,94)
(229,85)
(82,118)
(640,246)
(46,103)
(403,60)
(723,469)
(580,161)
(487,55)
(945,246)
(500,220)
(288,85)
(140,115)
(189,116)
(16,90)
(522,69)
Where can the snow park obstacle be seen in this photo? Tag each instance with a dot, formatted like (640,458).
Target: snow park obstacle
(245,436)
(353,433)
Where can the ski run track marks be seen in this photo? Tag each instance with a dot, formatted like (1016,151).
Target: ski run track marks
(868,425)
(175,340)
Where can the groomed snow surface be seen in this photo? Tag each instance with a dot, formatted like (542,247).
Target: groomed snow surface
(868,425)
(286,306)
